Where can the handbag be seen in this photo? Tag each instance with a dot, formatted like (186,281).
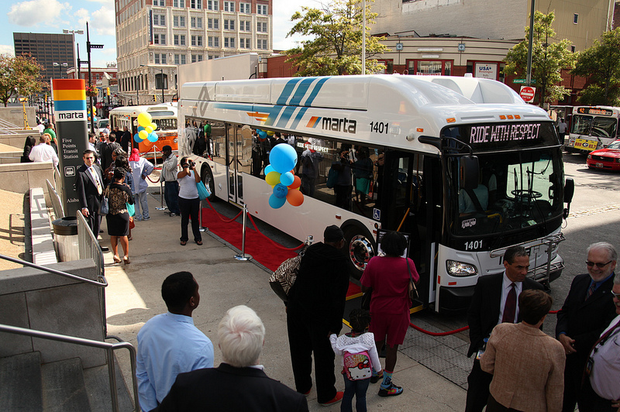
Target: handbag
(131,209)
(285,275)
(413,291)
(203,191)
(104,207)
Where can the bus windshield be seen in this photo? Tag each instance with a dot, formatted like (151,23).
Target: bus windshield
(515,190)
(595,126)
(166,124)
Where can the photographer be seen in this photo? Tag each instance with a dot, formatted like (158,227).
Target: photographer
(189,202)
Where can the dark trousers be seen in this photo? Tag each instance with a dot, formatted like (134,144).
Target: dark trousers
(478,383)
(190,207)
(573,376)
(94,221)
(307,337)
(589,401)
(357,389)
(171,194)
(343,196)
(494,406)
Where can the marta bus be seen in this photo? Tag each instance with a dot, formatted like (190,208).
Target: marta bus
(164,115)
(461,164)
(593,127)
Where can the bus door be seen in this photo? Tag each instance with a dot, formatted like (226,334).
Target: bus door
(238,159)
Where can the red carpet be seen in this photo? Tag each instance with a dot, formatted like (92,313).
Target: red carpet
(262,249)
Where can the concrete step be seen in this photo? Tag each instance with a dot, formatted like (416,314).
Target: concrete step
(20,383)
(63,387)
(98,389)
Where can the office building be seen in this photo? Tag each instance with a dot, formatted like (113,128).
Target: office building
(53,51)
(154,37)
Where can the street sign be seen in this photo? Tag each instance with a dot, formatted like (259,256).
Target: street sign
(96,46)
(522,81)
(527,93)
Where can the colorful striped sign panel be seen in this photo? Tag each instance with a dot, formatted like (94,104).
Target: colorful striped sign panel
(69,99)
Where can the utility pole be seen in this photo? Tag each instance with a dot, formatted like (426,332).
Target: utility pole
(528,77)
(88,47)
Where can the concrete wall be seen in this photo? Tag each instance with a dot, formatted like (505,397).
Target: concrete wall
(15,115)
(18,139)
(42,301)
(20,177)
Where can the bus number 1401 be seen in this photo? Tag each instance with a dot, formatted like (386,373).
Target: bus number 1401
(379,127)
(473,245)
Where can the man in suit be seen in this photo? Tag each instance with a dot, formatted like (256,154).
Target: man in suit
(495,301)
(239,383)
(89,187)
(587,311)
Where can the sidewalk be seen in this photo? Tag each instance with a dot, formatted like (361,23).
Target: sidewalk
(133,296)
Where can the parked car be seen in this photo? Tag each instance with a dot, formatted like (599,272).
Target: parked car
(101,124)
(606,159)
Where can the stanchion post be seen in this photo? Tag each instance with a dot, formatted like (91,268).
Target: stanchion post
(202,227)
(161,182)
(242,255)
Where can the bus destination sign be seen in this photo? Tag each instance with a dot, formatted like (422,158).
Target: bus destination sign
(595,110)
(504,133)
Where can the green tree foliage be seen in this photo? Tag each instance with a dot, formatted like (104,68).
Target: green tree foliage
(601,64)
(336,44)
(549,57)
(19,76)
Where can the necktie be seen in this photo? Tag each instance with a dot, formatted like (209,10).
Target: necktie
(591,289)
(92,172)
(511,305)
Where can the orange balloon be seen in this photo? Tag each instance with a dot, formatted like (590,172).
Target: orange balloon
(296,183)
(295,197)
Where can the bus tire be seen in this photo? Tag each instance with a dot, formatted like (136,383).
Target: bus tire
(207,178)
(359,247)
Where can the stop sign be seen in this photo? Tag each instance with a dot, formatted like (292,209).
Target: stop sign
(527,93)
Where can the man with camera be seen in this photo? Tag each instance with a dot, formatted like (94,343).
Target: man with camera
(171,186)
(189,201)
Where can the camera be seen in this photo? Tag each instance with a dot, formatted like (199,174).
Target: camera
(189,164)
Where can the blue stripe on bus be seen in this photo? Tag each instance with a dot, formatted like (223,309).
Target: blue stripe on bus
(286,92)
(300,114)
(316,90)
(286,116)
(301,91)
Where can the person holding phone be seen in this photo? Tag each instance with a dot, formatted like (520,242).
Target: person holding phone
(189,202)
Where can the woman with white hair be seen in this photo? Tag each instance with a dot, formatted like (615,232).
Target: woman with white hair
(239,383)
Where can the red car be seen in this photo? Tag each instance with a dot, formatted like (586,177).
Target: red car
(606,159)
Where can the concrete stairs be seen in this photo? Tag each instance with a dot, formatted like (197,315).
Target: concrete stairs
(62,386)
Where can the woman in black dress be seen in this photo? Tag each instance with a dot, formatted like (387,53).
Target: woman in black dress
(119,194)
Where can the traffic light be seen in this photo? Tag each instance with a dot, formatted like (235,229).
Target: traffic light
(107,90)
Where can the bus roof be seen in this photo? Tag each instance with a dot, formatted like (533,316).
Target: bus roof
(346,107)
(166,109)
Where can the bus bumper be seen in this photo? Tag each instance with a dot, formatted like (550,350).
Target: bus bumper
(455,299)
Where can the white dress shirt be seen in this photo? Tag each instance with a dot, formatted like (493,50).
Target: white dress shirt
(44,153)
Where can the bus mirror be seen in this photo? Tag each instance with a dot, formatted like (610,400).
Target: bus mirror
(469,172)
(569,190)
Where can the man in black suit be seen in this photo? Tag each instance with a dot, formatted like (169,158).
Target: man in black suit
(587,311)
(89,187)
(495,301)
(239,383)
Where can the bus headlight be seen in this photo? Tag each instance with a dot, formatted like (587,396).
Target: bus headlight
(460,269)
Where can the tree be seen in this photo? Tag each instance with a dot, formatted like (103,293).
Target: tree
(548,59)
(19,76)
(601,64)
(336,48)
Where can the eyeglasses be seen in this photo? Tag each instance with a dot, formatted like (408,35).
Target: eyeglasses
(616,295)
(598,265)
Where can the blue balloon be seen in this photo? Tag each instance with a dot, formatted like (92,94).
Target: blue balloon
(280,190)
(140,128)
(153,137)
(136,137)
(287,178)
(283,158)
(276,202)
(269,169)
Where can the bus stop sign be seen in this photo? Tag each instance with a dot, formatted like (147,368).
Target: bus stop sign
(527,93)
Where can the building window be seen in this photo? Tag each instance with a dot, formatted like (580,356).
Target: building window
(213,41)
(229,42)
(261,44)
(161,3)
(229,6)
(213,5)
(575,18)
(261,9)
(159,20)
(192,22)
(426,67)
(182,40)
(178,3)
(244,25)
(261,27)
(213,24)
(156,58)
(177,59)
(572,49)
(195,4)
(229,25)
(199,22)
(196,58)
(196,40)
(244,8)
(245,43)
(159,39)
(178,21)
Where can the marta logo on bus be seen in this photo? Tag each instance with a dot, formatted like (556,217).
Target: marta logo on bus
(339,125)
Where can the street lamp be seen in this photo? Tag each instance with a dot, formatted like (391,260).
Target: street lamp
(63,65)
(73,33)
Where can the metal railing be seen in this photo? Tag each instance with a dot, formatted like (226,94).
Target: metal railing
(59,211)
(109,348)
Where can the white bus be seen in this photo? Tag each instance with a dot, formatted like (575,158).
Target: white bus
(433,142)
(593,127)
(164,115)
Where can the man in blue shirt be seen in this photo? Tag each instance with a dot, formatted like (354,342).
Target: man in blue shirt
(169,344)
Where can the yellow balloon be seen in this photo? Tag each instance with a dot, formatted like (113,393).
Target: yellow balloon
(144,119)
(154,126)
(272,178)
(149,129)
(270,133)
(143,134)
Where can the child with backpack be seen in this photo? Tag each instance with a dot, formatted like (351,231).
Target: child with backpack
(359,358)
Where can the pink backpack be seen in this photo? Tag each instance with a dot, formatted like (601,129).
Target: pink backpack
(357,366)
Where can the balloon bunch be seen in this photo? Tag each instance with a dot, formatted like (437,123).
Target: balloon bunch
(146,128)
(279,174)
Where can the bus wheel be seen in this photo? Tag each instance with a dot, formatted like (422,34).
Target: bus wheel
(360,247)
(207,179)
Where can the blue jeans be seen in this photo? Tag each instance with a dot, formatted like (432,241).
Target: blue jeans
(357,388)
(171,194)
(142,206)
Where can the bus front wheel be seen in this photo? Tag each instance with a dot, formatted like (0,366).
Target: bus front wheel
(359,248)
(207,178)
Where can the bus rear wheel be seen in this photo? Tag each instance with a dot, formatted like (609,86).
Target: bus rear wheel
(359,246)
(207,178)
